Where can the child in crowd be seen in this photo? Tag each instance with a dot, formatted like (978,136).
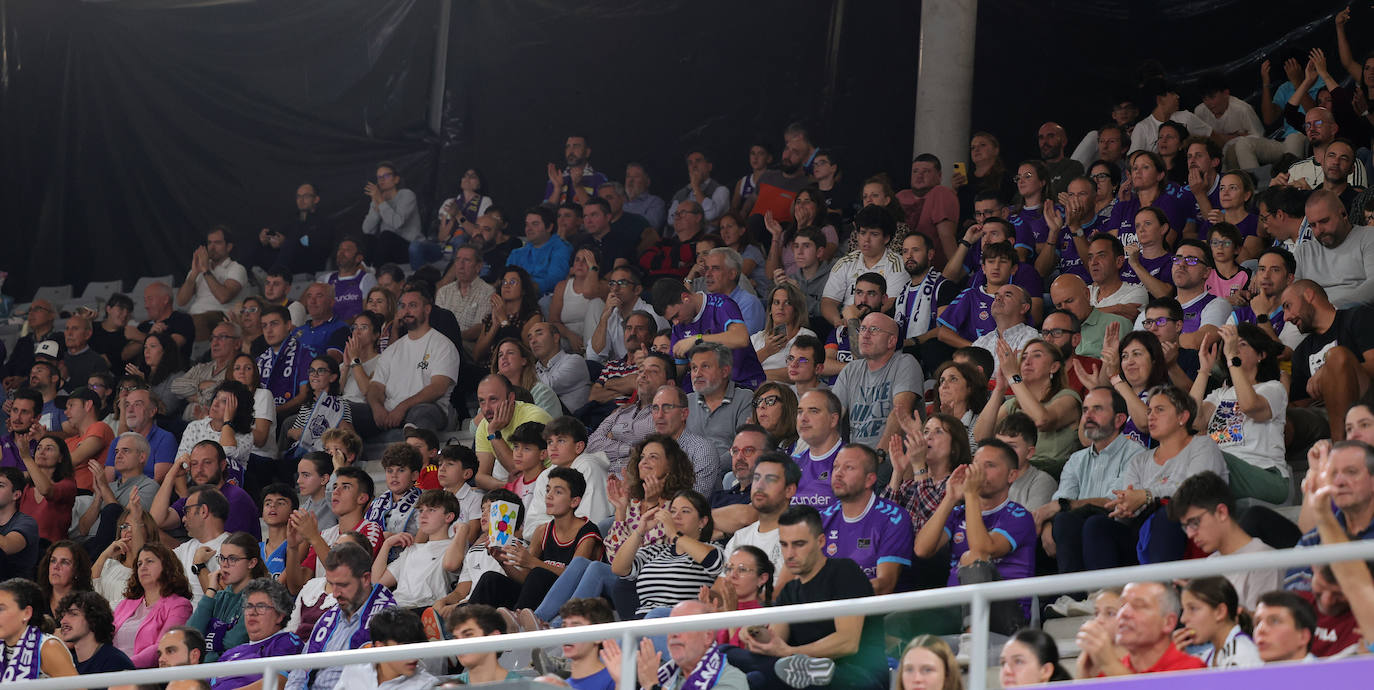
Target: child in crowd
(566,440)
(528,455)
(415,576)
(471,563)
(427,443)
(1228,277)
(457,466)
(314,480)
(394,509)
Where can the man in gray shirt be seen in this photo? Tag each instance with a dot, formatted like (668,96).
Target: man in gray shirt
(110,498)
(716,407)
(881,387)
(1341,260)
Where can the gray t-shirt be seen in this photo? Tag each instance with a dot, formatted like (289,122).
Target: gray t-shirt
(868,395)
(1200,455)
(1033,488)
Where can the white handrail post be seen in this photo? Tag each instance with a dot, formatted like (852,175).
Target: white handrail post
(978,656)
(629,646)
(269,678)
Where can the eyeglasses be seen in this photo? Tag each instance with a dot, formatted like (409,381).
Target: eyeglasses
(230,560)
(222,337)
(747,450)
(259,608)
(665,407)
(1101,176)
(189,506)
(1188,260)
(511,281)
(360,327)
(1313,124)
(874,330)
(1159,322)
(322,371)
(1024,176)
(125,525)
(621,283)
(1193,523)
(248,310)
(1222,244)
(798,360)
(1059,332)
(386,176)
(768,401)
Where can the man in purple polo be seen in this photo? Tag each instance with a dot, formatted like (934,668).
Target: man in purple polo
(969,316)
(351,282)
(862,527)
(818,423)
(699,317)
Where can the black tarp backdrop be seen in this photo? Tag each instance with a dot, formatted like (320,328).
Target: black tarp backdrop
(128,127)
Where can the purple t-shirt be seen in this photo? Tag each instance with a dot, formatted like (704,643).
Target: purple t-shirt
(1176,202)
(243,512)
(1161,267)
(348,295)
(970,314)
(1248,227)
(1009,520)
(1069,259)
(284,643)
(717,313)
(1031,227)
(814,488)
(1192,312)
(883,534)
(9,451)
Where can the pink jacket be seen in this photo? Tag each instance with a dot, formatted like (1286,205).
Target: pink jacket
(167,613)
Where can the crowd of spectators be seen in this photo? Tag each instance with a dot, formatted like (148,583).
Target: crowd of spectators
(613,405)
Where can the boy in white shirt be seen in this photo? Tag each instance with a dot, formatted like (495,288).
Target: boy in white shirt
(566,438)
(457,466)
(417,575)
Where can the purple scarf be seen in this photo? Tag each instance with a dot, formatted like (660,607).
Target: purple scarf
(278,373)
(380,598)
(380,510)
(703,677)
(25,661)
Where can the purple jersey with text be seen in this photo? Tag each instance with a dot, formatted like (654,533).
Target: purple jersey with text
(1176,202)
(1161,267)
(970,314)
(883,534)
(814,488)
(348,295)
(717,313)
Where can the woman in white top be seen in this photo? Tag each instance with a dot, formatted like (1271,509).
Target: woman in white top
(1245,416)
(244,369)
(786,319)
(1211,620)
(230,423)
(26,652)
(361,348)
(581,293)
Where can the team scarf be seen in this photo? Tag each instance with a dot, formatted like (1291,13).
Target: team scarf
(704,676)
(327,414)
(278,372)
(22,662)
(916,304)
(381,509)
(468,208)
(377,600)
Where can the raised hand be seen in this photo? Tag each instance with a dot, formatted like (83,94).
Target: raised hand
(616,493)
(231,406)
(653,485)
(1209,351)
(954,487)
(555,176)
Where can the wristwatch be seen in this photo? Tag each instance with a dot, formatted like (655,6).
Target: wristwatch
(1235,362)
(196,568)
(356,362)
(1015,379)
(1064,505)
(1261,318)
(494,435)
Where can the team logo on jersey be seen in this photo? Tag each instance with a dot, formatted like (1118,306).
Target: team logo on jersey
(864,543)
(983,315)
(831,549)
(824,475)
(959,537)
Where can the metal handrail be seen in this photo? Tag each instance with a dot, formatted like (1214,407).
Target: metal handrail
(629,632)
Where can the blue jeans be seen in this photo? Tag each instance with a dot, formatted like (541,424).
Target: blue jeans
(582,579)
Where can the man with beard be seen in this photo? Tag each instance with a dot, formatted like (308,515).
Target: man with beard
(1337,165)
(625,297)
(576,182)
(772,484)
(1087,480)
(1051,139)
(87,626)
(1341,260)
(1332,366)
(22,426)
(922,300)
(1204,174)
(213,282)
(348,571)
(879,389)
(351,282)
(615,385)
(874,228)
(1272,276)
(204,467)
(862,527)
(415,376)
(1321,128)
(733,504)
(1203,312)
(869,291)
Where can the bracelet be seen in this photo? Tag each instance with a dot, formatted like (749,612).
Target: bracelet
(965,243)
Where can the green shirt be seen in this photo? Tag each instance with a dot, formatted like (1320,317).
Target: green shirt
(225,606)
(1053,448)
(1094,328)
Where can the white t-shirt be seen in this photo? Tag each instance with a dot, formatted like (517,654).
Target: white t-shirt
(264,407)
(779,359)
(1215,314)
(1128,293)
(351,392)
(420,575)
(186,554)
(1251,584)
(409,363)
(1146,132)
(1258,443)
(1239,117)
(476,563)
(1017,336)
(840,285)
(769,542)
(203,300)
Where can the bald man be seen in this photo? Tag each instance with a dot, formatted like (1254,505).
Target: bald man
(1010,309)
(1052,139)
(1069,293)
(1333,364)
(1341,257)
(877,388)
(162,318)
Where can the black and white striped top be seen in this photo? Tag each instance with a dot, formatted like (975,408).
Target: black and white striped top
(664,577)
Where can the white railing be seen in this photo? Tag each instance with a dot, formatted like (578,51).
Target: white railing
(977,597)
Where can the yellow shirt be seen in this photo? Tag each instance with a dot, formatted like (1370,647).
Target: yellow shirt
(524,412)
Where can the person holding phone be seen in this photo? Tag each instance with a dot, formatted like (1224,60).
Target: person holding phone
(786,321)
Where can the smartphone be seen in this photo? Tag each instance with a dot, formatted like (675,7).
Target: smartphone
(780,330)
(961,169)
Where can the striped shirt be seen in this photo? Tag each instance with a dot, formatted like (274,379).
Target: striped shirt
(664,577)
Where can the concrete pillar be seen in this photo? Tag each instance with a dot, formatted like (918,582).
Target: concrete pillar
(944,82)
